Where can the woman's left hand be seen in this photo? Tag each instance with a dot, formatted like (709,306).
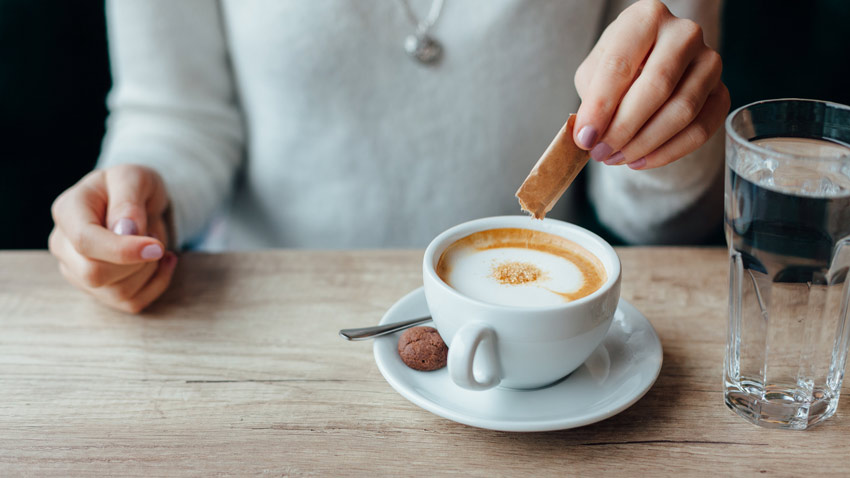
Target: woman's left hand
(650,89)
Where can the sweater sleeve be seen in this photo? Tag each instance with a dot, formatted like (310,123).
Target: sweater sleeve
(678,203)
(173,105)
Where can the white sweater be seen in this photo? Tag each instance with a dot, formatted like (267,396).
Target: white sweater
(304,124)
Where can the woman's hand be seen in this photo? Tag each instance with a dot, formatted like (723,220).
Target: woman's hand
(650,89)
(110,234)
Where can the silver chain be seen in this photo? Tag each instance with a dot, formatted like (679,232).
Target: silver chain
(428,22)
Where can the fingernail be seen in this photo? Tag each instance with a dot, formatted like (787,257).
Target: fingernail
(152,251)
(125,227)
(587,137)
(601,151)
(615,158)
(639,164)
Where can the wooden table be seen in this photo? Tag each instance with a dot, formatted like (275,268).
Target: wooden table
(239,370)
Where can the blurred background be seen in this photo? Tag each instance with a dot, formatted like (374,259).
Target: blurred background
(54,77)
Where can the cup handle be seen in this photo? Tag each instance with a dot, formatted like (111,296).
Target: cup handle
(462,355)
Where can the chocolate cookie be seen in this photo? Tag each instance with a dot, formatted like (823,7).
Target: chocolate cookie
(422,348)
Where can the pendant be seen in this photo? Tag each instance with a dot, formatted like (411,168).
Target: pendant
(423,48)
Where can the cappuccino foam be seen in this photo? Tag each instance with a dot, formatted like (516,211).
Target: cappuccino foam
(520,267)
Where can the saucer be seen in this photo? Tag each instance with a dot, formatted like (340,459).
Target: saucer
(618,373)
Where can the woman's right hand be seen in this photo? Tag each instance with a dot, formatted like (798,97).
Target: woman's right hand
(110,234)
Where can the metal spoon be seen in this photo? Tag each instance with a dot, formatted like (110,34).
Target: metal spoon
(364,333)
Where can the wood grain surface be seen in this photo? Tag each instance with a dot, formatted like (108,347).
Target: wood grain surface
(238,370)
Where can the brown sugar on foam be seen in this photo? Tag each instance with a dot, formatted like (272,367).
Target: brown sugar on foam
(516,273)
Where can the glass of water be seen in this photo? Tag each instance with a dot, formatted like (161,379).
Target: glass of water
(787,222)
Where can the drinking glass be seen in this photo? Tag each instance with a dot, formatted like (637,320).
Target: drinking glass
(787,223)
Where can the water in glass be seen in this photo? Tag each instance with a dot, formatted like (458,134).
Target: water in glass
(787,223)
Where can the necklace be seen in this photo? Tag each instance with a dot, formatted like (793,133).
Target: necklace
(420,45)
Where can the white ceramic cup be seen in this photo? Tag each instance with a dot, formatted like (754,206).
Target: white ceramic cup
(519,347)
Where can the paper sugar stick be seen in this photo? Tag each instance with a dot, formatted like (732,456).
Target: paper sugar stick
(553,173)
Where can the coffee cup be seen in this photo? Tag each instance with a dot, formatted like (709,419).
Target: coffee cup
(501,304)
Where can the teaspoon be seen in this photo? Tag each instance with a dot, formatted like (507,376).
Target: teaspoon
(364,333)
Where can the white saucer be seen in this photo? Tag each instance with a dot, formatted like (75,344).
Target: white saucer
(615,376)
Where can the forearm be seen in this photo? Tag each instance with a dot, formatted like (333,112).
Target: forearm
(680,202)
(173,106)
